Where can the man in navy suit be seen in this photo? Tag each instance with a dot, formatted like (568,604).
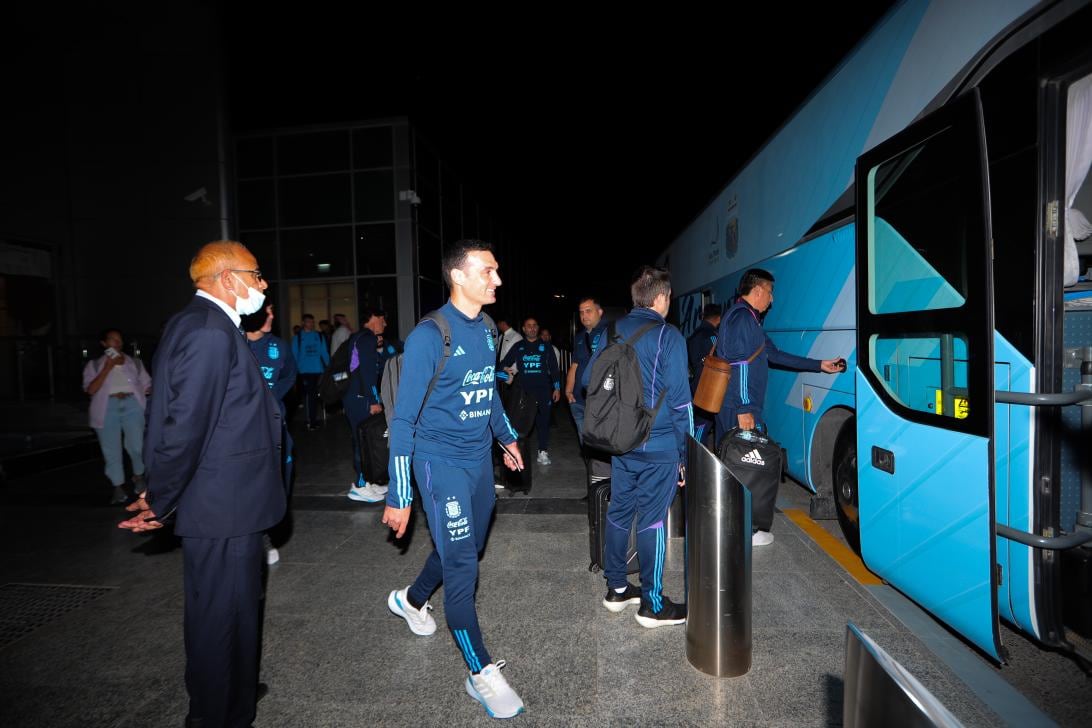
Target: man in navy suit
(213,460)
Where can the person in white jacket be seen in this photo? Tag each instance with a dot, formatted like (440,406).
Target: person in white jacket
(118,385)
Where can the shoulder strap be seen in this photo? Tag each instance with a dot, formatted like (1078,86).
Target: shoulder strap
(488,321)
(639,333)
(754,356)
(445,331)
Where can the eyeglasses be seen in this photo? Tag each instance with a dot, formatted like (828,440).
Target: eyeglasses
(256,273)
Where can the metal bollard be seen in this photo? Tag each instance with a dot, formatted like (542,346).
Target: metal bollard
(718,558)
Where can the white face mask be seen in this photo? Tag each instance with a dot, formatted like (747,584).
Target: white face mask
(251,304)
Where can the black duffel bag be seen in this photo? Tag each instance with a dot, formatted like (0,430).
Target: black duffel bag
(754,458)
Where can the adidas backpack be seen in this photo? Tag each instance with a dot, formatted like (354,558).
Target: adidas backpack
(392,370)
(615,417)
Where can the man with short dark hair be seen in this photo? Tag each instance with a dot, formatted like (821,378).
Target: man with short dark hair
(443,430)
(643,481)
(312,358)
(744,344)
(361,399)
(586,344)
(538,376)
(698,346)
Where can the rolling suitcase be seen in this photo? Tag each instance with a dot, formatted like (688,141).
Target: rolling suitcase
(374,449)
(598,501)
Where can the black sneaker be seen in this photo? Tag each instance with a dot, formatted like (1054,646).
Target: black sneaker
(670,613)
(616,602)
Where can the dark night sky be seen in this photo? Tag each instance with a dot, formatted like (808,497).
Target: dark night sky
(596,137)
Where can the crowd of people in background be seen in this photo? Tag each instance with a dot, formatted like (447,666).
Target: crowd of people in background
(220,351)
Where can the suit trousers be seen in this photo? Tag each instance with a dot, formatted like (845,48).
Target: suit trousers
(223,585)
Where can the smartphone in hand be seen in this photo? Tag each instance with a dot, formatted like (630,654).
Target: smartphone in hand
(112,352)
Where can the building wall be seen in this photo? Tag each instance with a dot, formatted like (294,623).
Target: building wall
(111,119)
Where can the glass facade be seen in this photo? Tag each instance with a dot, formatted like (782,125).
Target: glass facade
(339,218)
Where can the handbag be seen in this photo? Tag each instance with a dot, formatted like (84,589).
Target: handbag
(713,383)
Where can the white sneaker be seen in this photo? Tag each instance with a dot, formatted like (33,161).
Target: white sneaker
(498,486)
(761,538)
(543,457)
(419,620)
(490,689)
(368,493)
(272,556)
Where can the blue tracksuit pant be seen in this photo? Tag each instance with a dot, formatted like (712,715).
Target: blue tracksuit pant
(643,489)
(458,503)
(544,398)
(357,409)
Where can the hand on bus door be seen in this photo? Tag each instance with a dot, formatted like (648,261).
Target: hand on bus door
(746,421)
(834,366)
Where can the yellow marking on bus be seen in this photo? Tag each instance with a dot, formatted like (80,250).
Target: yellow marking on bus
(837,550)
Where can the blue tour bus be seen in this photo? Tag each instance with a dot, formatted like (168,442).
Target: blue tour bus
(914,214)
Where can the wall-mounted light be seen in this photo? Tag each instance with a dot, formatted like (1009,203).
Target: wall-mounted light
(323,267)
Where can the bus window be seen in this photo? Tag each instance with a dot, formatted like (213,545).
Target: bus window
(917,228)
(927,373)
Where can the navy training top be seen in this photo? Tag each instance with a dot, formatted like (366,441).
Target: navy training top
(464,412)
(584,348)
(698,346)
(536,363)
(740,335)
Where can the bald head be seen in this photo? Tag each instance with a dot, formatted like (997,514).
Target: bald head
(226,270)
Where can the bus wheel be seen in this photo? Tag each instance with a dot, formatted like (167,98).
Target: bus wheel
(845,483)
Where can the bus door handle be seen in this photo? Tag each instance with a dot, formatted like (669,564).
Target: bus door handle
(1055,543)
(1038,399)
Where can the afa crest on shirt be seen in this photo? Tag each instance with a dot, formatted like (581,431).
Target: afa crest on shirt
(542,347)
(273,351)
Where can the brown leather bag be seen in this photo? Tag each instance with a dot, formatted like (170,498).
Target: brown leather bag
(715,375)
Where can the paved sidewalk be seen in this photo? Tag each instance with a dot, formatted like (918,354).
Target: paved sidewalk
(106,649)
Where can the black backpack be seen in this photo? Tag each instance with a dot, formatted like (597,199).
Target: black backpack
(615,417)
(392,370)
(334,382)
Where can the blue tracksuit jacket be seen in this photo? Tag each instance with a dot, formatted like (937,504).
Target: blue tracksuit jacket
(739,337)
(462,415)
(662,353)
(276,363)
(309,348)
(584,348)
(363,369)
(536,364)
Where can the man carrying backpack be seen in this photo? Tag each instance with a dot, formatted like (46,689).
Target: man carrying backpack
(643,480)
(309,350)
(447,413)
(361,399)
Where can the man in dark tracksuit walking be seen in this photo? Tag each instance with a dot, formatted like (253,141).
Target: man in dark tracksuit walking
(745,345)
(698,346)
(361,399)
(644,481)
(446,441)
(538,376)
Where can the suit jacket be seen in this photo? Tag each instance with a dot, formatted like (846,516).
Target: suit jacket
(213,445)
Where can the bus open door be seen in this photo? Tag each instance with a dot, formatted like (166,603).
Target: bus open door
(925,372)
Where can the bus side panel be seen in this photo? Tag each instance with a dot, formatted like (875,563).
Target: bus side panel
(1014,483)
(926,528)
(784,406)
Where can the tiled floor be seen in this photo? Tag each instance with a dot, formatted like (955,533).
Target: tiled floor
(334,656)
